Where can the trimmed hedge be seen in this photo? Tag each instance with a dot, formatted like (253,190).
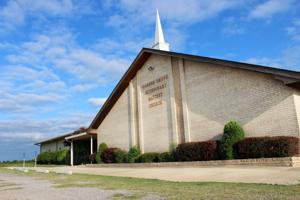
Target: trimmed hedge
(133,153)
(148,158)
(102,147)
(62,157)
(282,146)
(56,157)
(166,157)
(233,132)
(197,151)
(266,147)
(121,156)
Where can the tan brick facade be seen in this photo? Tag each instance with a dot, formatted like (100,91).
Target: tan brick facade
(217,94)
(172,100)
(115,129)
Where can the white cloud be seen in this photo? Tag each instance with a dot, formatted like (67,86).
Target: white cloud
(294,30)
(25,102)
(83,87)
(134,17)
(232,27)
(15,12)
(25,89)
(38,129)
(97,101)
(270,8)
(266,61)
(118,47)
(289,59)
(59,50)
(182,11)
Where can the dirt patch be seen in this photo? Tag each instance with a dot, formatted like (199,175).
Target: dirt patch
(14,187)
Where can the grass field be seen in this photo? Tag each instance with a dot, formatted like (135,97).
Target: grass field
(20,164)
(172,190)
(17,164)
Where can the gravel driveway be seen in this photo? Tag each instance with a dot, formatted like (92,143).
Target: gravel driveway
(14,187)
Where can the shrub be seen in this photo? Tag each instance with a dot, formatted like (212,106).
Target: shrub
(53,157)
(197,151)
(61,156)
(121,156)
(148,158)
(56,157)
(68,157)
(265,147)
(102,147)
(41,158)
(109,156)
(166,157)
(233,133)
(172,151)
(44,158)
(133,153)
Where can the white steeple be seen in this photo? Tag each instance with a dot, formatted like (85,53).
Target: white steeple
(159,42)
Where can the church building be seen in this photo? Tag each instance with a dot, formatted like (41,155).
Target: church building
(168,98)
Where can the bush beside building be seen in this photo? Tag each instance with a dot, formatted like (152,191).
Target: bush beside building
(233,145)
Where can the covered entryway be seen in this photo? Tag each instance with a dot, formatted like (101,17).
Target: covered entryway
(82,146)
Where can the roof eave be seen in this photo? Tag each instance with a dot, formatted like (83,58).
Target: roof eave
(122,84)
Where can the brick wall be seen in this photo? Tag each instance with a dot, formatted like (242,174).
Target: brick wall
(217,94)
(115,128)
(198,99)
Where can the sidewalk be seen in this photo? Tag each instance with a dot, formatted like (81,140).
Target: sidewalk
(244,174)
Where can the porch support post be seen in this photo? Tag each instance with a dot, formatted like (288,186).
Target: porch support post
(72,153)
(91,145)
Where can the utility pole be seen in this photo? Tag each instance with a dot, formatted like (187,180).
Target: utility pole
(35,159)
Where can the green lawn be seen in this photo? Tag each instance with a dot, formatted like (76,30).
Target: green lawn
(17,164)
(172,190)
(27,164)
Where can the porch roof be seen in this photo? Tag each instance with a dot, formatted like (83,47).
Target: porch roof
(81,136)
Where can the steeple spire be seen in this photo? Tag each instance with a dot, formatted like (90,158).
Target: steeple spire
(159,42)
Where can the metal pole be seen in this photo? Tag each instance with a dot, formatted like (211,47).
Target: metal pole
(35,159)
(23,160)
(72,153)
(91,148)
(91,145)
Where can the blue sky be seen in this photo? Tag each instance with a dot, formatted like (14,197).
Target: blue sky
(59,60)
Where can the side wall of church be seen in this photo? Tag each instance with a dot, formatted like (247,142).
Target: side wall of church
(216,94)
(171,100)
(297,106)
(115,128)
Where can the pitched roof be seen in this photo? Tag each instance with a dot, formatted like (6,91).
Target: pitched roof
(60,137)
(290,78)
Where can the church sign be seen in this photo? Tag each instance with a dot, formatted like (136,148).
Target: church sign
(155,90)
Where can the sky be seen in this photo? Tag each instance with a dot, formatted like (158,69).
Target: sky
(60,60)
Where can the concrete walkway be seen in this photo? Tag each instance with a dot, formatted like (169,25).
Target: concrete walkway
(244,174)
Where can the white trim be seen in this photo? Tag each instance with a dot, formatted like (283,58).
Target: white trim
(71,153)
(91,145)
(77,135)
